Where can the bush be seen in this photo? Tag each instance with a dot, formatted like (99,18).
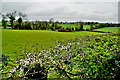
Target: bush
(27,26)
(63,30)
(72,28)
(16,26)
(53,28)
(87,29)
(47,27)
(69,28)
(4,23)
(57,26)
(77,28)
(43,28)
(81,26)
(96,26)
(91,27)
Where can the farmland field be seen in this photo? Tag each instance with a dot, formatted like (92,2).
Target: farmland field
(92,45)
(73,25)
(13,41)
(0,23)
(109,29)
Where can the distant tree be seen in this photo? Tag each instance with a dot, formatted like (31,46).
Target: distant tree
(12,16)
(51,20)
(4,21)
(72,28)
(20,20)
(21,17)
(81,26)
(77,28)
(91,27)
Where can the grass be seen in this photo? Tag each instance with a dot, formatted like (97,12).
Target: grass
(13,41)
(68,25)
(108,29)
(0,23)
(86,26)
(94,51)
(73,25)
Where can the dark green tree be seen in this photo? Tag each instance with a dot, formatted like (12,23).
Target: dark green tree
(21,17)
(4,21)
(91,27)
(20,20)
(51,20)
(81,26)
(11,16)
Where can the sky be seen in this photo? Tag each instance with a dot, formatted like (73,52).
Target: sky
(65,10)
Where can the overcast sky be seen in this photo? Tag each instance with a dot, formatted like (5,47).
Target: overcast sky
(68,10)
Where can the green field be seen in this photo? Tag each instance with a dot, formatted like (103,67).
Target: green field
(13,41)
(87,48)
(0,23)
(108,29)
(73,25)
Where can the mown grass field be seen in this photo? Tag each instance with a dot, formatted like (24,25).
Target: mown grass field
(73,25)
(0,23)
(13,41)
(109,29)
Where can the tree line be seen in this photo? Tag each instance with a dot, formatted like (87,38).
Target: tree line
(44,25)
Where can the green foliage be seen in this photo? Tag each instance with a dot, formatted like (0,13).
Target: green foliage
(62,29)
(91,27)
(77,28)
(27,26)
(20,20)
(85,57)
(13,15)
(88,29)
(81,26)
(69,28)
(16,26)
(4,23)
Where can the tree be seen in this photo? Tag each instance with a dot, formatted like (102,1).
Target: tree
(81,26)
(91,27)
(14,14)
(4,21)
(20,20)
(51,20)
(11,16)
(21,17)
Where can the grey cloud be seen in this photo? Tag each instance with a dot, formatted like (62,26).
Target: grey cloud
(18,6)
(60,0)
(72,11)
